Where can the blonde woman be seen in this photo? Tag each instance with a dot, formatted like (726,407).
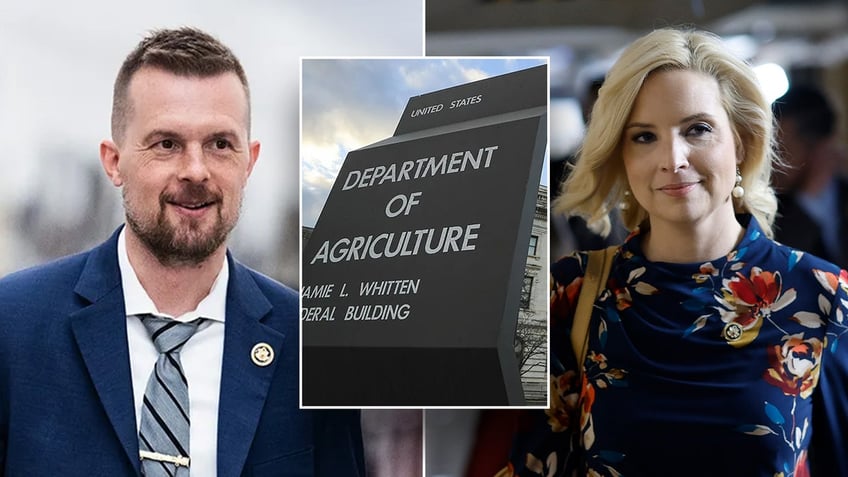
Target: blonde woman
(711,350)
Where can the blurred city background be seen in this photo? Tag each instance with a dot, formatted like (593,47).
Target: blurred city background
(793,44)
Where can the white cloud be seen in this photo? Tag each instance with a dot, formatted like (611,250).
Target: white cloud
(349,104)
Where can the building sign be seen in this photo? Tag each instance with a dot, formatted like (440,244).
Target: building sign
(413,274)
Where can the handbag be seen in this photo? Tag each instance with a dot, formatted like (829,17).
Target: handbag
(594,282)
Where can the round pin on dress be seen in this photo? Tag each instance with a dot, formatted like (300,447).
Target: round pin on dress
(732,331)
(262,354)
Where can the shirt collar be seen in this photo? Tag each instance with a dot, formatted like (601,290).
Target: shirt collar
(137,301)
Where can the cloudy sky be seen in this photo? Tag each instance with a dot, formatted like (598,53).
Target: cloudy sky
(349,103)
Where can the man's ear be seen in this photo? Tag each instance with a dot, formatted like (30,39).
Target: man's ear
(109,157)
(254,155)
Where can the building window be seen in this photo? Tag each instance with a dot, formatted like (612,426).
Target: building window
(534,242)
(526,292)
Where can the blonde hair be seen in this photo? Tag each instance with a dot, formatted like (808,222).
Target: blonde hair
(597,183)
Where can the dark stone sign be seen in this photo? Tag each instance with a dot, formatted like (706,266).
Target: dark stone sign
(412,276)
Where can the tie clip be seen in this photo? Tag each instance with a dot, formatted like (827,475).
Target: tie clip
(177,460)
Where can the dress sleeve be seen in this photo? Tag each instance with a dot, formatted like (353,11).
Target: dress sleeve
(829,443)
(545,439)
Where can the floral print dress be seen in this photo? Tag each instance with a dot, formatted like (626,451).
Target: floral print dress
(697,369)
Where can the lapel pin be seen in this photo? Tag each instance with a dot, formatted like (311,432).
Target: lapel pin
(262,354)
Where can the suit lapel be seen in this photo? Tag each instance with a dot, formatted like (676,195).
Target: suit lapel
(244,385)
(100,330)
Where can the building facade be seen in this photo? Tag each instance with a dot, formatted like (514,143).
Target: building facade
(531,337)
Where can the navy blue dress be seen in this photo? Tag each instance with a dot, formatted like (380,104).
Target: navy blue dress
(697,369)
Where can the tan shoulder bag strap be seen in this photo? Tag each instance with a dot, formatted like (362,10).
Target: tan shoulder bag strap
(594,281)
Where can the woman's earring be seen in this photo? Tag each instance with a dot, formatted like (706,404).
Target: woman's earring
(738,191)
(624,204)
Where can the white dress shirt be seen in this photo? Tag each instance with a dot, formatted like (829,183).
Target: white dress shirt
(201,358)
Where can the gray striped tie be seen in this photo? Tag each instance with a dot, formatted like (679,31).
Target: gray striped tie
(164,430)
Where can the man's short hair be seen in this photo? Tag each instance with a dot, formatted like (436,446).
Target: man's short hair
(184,52)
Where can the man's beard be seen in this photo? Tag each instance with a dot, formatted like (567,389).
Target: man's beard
(183,243)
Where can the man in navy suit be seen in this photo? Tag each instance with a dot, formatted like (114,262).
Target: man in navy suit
(75,357)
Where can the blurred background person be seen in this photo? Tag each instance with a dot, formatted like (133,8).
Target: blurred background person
(812,192)
(395,442)
(571,233)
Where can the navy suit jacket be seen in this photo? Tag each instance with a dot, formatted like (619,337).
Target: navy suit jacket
(66,403)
